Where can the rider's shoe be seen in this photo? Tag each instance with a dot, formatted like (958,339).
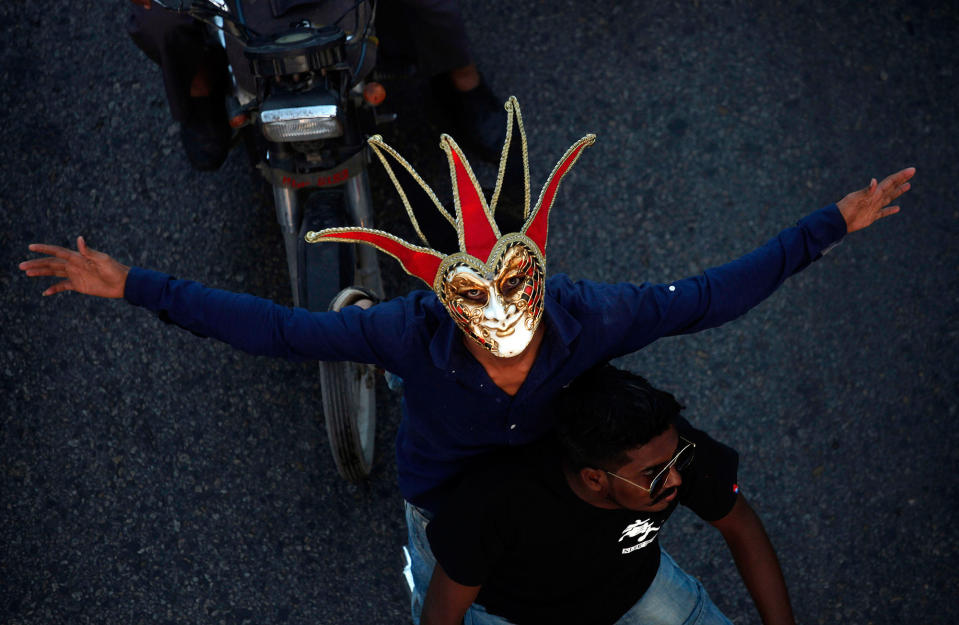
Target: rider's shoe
(354,296)
(364,298)
(206,134)
(477,116)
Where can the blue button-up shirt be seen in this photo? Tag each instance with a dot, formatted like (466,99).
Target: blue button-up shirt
(452,410)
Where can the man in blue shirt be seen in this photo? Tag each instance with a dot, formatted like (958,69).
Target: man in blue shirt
(478,365)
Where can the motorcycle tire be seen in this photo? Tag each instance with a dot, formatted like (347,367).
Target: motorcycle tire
(348,388)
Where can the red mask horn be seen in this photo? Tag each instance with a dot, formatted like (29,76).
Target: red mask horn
(417,261)
(537,225)
(478,232)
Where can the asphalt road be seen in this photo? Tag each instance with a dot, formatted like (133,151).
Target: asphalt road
(148,476)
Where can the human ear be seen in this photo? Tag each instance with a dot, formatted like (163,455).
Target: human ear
(594,479)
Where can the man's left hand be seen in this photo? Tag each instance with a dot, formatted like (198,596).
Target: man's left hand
(863,207)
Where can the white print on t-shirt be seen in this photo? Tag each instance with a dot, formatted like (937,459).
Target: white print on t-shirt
(641,530)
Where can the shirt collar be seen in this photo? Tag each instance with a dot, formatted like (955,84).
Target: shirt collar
(446,339)
(563,325)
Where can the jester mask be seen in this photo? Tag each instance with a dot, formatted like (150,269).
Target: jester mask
(491,284)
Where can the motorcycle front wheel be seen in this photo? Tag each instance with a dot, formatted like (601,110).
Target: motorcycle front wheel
(348,388)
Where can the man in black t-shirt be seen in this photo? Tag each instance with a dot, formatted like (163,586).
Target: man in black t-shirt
(567,530)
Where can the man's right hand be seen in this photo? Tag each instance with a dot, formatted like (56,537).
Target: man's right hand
(85,271)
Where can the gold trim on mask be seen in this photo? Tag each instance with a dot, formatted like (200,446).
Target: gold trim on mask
(512,110)
(376,143)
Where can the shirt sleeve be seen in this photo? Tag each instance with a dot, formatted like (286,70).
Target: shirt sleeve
(259,326)
(630,316)
(709,485)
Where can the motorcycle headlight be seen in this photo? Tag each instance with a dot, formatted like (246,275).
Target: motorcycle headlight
(303,123)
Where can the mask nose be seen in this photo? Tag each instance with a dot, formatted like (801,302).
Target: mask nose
(494,310)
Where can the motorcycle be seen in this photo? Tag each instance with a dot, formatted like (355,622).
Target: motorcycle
(300,101)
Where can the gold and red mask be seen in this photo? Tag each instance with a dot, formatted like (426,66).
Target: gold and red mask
(493,284)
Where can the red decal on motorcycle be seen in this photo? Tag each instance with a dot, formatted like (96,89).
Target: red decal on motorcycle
(293,183)
(337,178)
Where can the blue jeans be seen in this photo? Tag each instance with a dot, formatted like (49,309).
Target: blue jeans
(674,598)
(421,557)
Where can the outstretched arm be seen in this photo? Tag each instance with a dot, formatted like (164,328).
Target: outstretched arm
(84,271)
(446,601)
(725,292)
(757,563)
(253,324)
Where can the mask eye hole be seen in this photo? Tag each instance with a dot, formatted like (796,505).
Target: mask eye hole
(474,296)
(509,284)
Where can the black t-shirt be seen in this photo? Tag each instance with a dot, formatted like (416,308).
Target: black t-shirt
(543,555)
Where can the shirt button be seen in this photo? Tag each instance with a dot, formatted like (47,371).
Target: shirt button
(512,427)
(672,287)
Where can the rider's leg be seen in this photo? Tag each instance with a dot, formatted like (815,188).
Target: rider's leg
(194,77)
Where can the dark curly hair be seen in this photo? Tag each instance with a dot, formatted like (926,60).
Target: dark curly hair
(607,411)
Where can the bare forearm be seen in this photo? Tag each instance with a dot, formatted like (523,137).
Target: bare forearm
(446,601)
(758,565)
